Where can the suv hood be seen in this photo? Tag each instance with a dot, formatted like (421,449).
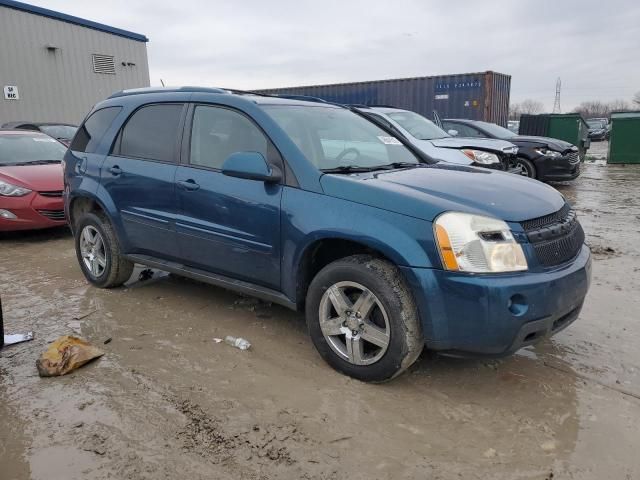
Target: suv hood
(40,178)
(548,142)
(426,191)
(489,144)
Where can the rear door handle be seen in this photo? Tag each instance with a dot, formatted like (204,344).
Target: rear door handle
(190,184)
(115,170)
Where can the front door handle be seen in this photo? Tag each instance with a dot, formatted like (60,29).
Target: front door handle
(81,166)
(190,184)
(115,170)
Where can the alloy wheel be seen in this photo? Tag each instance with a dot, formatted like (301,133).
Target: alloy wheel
(354,323)
(92,250)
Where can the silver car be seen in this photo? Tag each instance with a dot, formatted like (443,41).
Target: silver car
(439,145)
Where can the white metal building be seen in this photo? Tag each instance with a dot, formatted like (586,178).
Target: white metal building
(54,67)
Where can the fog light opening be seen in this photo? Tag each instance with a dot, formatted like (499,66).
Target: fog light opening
(518,305)
(6,214)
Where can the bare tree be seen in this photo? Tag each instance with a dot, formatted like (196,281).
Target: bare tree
(592,109)
(619,105)
(525,107)
(514,111)
(531,107)
(597,109)
(636,98)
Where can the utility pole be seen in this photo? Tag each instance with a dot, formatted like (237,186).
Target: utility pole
(556,104)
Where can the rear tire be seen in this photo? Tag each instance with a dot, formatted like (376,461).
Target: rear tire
(374,333)
(99,253)
(528,168)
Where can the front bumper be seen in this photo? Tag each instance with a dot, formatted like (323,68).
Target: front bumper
(558,169)
(598,136)
(33,212)
(497,314)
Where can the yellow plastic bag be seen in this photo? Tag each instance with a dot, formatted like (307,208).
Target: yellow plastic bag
(65,355)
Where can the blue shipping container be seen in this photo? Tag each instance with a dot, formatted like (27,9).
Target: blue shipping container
(476,96)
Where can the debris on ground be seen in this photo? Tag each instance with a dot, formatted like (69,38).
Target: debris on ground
(217,340)
(146,274)
(14,338)
(600,251)
(17,338)
(240,343)
(66,354)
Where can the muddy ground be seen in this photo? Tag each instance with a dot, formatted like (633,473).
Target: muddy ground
(167,402)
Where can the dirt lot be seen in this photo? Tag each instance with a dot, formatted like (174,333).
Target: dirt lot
(166,401)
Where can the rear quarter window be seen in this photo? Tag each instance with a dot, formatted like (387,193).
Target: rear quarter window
(92,130)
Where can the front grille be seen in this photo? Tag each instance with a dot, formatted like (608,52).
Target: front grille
(547,220)
(52,214)
(556,238)
(573,157)
(52,193)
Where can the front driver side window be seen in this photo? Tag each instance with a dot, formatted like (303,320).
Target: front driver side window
(218,132)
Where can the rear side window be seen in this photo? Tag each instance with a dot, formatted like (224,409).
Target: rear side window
(219,132)
(151,133)
(91,132)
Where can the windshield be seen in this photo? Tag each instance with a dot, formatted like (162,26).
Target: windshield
(496,131)
(418,126)
(20,149)
(335,137)
(595,123)
(59,131)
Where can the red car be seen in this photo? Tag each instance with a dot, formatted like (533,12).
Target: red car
(30,181)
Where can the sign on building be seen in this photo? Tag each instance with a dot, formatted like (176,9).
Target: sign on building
(11,92)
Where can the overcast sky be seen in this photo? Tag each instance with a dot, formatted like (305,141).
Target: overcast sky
(594,46)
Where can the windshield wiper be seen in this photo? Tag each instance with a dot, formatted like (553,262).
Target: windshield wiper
(349,169)
(394,165)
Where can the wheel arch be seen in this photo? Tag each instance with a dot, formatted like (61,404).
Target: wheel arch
(322,250)
(84,202)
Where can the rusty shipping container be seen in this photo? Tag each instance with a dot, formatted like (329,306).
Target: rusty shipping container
(476,96)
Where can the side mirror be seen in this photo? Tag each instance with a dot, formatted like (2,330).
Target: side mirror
(453,133)
(252,166)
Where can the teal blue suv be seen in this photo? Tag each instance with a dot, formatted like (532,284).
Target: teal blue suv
(314,207)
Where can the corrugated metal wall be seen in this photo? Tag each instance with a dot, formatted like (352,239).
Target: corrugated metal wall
(476,96)
(61,85)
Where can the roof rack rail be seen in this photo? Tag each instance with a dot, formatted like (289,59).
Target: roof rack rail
(235,91)
(306,98)
(140,91)
(381,105)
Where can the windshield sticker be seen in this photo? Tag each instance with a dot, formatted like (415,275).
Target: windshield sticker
(44,140)
(389,140)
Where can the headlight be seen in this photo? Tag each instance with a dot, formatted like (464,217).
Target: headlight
(477,244)
(480,156)
(9,190)
(548,153)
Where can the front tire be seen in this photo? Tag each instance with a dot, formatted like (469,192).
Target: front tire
(528,168)
(99,254)
(362,318)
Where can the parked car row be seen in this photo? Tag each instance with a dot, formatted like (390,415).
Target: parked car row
(317,207)
(542,158)
(62,132)
(30,181)
(599,129)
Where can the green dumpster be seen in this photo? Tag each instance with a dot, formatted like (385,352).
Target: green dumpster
(624,143)
(570,127)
